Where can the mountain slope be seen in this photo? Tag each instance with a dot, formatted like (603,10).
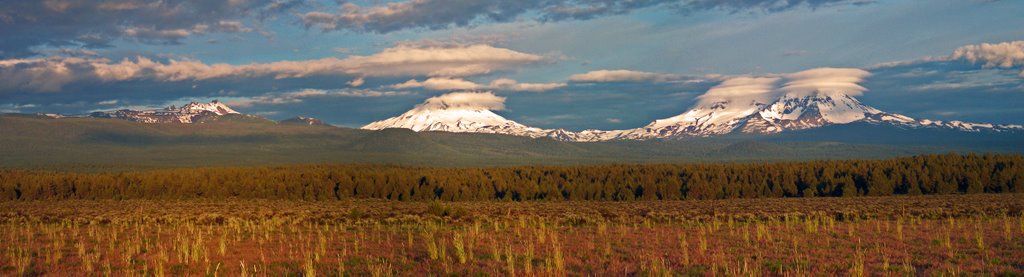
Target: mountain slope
(463,112)
(302,120)
(190,113)
(764,105)
(95,144)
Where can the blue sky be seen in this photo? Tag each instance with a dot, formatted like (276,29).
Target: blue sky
(351,63)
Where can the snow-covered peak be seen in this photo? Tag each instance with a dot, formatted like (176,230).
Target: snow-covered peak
(805,99)
(450,120)
(216,107)
(189,113)
(464,112)
(757,105)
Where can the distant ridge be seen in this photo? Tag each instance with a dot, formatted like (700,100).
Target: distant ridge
(788,112)
(190,113)
(711,117)
(302,120)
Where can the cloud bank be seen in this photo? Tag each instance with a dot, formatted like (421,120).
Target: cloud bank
(826,80)
(26,25)
(51,74)
(1002,55)
(444,83)
(766,89)
(441,14)
(611,76)
(741,89)
(299,96)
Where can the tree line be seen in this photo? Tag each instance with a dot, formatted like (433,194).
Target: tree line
(925,174)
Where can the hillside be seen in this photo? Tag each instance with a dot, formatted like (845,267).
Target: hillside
(96,143)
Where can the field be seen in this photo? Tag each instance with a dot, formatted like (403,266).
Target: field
(893,235)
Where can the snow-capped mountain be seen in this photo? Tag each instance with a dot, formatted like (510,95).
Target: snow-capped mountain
(465,113)
(765,113)
(787,113)
(189,113)
(458,120)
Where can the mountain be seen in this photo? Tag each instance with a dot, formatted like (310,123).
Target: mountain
(452,113)
(302,120)
(193,112)
(789,112)
(765,114)
(76,143)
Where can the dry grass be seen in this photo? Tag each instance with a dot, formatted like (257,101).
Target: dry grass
(944,235)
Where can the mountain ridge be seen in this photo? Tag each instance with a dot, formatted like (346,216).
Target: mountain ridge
(711,117)
(788,112)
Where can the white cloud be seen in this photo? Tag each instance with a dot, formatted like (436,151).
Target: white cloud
(465,100)
(357,82)
(513,85)
(606,76)
(826,80)
(741,89)
(766,89)
(943,86)
(1002,55)
(1006,55)
(298,96)
(50,74)
(149,34)
(390,16)
(232,26)
(440,83)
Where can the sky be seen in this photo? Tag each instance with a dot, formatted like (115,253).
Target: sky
(574,64)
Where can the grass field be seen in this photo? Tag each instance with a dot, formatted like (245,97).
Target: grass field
(924,235)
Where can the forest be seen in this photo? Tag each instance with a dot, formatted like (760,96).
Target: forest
(917,175)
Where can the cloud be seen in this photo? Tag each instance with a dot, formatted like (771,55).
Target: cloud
(826,80)
(464,100)
(232,26)
(766,89)
(1005,55)
(609,76)
(439,84)
(357,82)
(741,89)
(28,26)
(513,85)
(460,84)
(944,86)
(16,108)
(766,5)
(51,74)
(298,96)
(156,36)
(1002,55)
(442,14)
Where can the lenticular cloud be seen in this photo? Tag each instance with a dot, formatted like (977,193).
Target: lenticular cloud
(465,100)
(767,89)
(826,80)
